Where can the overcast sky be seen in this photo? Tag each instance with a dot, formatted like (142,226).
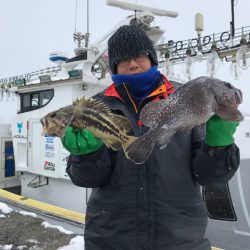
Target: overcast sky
(31,29)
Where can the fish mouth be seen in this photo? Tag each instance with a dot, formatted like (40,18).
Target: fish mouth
(233,100)
(238,97)
(42,120)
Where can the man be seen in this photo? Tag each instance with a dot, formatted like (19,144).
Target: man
(156,205)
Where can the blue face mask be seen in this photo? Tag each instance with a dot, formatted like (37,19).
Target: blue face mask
(141,84)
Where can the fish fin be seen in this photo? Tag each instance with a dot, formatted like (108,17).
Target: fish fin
(149,112)
(122,122)
(139,149)
(164,138)
(233,115)
(90,103)
(75,102)
(61,133)
(115,145)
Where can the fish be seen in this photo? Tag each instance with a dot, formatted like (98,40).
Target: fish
(190,105)
(94,115)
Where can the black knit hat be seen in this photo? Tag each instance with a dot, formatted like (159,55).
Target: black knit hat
(129,41)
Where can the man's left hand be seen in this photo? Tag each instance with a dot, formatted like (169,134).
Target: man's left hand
(219,133)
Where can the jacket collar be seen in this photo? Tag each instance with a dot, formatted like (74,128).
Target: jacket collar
(163,90)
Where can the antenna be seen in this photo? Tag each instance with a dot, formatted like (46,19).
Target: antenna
(137,7)
(78,36)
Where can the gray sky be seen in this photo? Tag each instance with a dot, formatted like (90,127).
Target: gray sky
(31,29)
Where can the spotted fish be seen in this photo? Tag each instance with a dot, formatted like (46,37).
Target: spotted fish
(192,104)
(94,115)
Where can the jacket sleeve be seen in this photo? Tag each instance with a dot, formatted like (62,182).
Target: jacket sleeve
(212,166)
(91,170)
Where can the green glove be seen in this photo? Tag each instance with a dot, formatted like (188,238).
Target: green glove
(219,133)
(78,141)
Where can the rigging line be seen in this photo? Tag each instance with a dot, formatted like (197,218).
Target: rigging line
(75,16)
(87,16)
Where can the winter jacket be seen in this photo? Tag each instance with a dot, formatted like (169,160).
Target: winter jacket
(156,205)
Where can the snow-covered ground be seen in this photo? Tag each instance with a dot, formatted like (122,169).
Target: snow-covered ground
(15,223)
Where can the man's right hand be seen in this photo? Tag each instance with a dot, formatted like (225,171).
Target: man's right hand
(80,141)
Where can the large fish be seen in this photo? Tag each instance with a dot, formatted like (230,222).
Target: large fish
(93,115)
(192,104)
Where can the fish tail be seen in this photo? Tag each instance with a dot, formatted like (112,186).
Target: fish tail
(138,149)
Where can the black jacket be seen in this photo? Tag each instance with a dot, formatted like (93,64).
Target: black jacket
(156,205)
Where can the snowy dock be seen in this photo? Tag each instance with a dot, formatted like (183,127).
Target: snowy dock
(70,220)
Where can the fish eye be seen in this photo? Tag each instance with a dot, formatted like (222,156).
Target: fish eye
(228,85)
(53,115)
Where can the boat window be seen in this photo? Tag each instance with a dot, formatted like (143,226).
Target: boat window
(45,97)
(35,100)
(219,203)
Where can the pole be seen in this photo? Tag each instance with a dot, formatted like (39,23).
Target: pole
(232,22)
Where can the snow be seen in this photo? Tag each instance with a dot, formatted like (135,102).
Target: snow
(76,243)
(33,241)
(4,208)
(27,213)
(60,228)
(6,247)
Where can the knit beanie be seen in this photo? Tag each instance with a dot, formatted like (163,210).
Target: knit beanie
(127,42)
